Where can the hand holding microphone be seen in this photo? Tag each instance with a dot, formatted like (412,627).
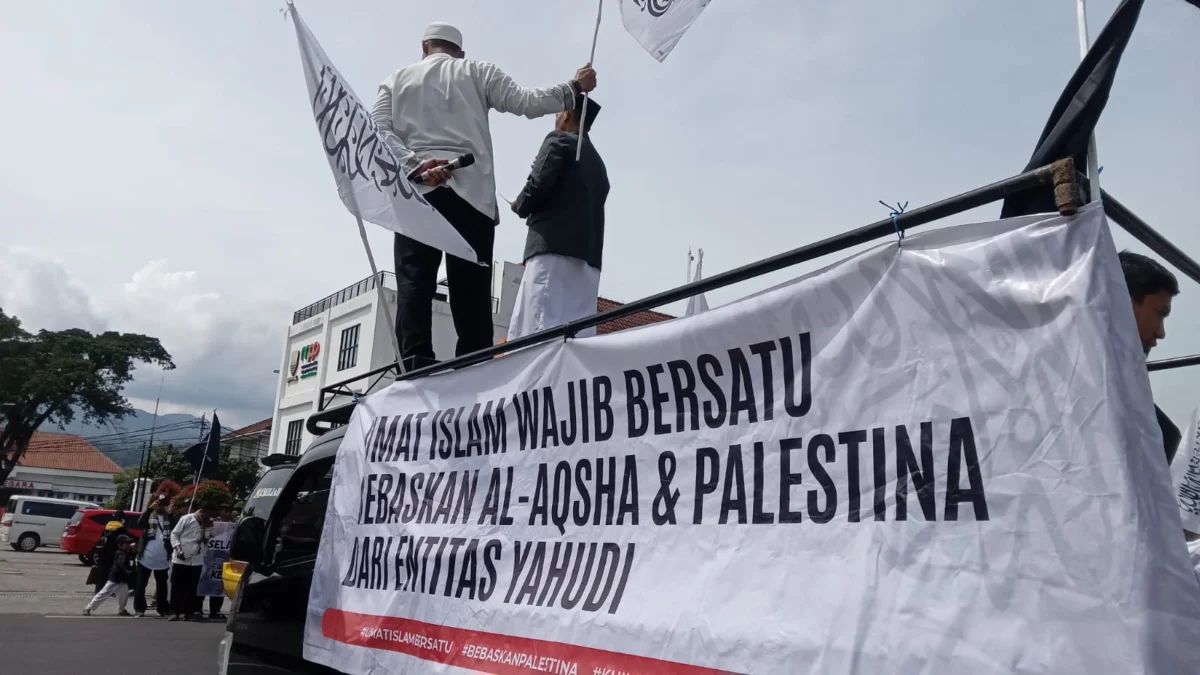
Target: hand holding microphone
(433,172)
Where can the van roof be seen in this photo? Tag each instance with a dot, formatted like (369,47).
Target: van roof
(52,500)
(323,447)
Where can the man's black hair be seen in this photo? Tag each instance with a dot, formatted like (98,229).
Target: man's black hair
(447,45)
(1145,276)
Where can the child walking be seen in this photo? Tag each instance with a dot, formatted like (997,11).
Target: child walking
(120,578)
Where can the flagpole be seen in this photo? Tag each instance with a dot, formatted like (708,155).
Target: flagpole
(362,231)
(200,471)
(387,310)
(139,493)
(689,273)
(591,60)
(1093,162)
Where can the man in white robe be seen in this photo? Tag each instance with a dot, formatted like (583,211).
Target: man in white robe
(563,204)
(429,113)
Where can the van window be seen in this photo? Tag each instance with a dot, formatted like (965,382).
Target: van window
(48,510)
(12,506)
(268,489)
(300,527)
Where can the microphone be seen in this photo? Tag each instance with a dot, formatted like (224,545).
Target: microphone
(460,162)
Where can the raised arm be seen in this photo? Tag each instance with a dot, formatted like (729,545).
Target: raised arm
(381,115)
(506,96)
(554,154)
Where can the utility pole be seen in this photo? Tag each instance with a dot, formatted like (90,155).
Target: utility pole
(138,497)
(147,449)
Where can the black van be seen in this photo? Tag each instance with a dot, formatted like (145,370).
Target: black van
(265,630)
(270,486)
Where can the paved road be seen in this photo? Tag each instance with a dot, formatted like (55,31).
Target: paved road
(41,629)
(106,644)
(47,581)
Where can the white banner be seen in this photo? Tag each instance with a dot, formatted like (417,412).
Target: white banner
(216,552)
(940,458)
(658,25)
(370,180)
(1185,476)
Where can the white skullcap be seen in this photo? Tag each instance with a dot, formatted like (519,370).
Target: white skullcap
(439,30)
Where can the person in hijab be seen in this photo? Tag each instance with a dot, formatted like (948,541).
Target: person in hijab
(106,549)
(154,555)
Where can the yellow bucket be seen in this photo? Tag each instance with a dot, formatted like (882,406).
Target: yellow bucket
(231,574)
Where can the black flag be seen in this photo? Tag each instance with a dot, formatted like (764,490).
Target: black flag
(205,456)
(1070,128)
(1078,108)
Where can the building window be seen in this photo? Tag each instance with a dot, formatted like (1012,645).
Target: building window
(295,430)
(348,351)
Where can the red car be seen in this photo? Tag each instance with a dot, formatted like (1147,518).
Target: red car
(87,526)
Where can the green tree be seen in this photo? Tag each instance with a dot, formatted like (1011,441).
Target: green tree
(164,462)
(47,377)
(239,473)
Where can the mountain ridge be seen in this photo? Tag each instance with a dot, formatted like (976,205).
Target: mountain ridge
(123,440)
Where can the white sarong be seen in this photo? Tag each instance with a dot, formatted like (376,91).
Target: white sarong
(555,289)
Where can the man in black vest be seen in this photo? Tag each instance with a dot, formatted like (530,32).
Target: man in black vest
(1151,287)
(563,204)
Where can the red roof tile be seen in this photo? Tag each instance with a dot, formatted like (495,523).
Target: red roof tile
(257,427)
(633,321)
(68,452)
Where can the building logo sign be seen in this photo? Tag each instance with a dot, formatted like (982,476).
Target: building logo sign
(13,484)
(303,362)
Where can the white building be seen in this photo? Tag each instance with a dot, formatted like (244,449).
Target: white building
(63,466)
(249,442)
(345,335)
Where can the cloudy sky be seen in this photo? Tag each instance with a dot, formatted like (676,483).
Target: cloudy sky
(161,171)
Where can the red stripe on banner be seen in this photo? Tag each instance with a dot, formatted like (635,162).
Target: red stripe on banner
(489,652)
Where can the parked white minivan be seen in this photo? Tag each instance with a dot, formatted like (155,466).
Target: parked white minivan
(30,522)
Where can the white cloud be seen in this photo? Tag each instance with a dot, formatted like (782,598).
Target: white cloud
(225,345)
(774,124)
(36,288)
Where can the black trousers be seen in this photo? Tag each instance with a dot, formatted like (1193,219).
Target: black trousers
(215,602)
(470,284)
(160,589)
(184,579)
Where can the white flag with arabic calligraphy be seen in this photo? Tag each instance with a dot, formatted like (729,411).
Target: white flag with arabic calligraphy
(659,24)
(370,180)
